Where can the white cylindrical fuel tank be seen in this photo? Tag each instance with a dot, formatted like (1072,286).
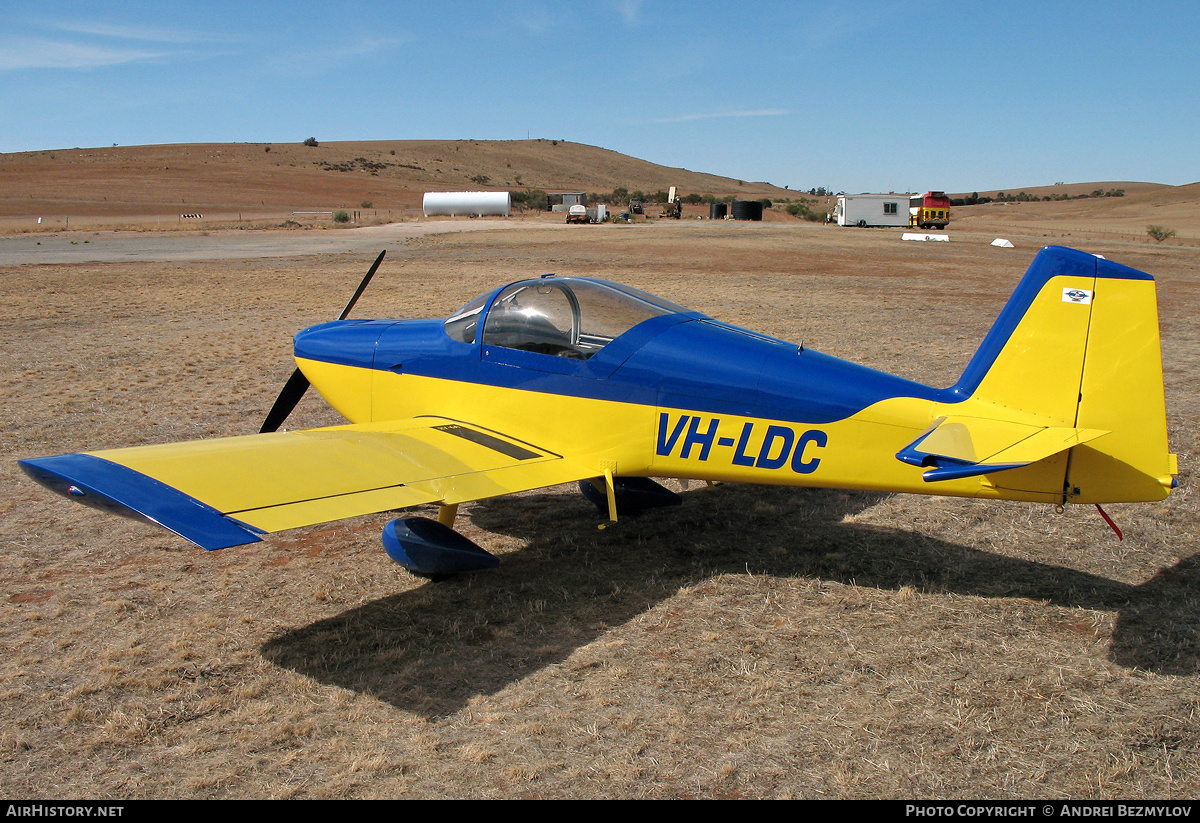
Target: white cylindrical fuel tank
(466,202)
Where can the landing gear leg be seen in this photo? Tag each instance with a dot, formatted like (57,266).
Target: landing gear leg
(610,490)
(626,495)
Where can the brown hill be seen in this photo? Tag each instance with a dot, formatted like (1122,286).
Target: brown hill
(260,180)
(1176,208)
(1072,189)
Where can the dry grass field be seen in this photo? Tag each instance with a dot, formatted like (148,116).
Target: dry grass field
(755,642)
(1175,208)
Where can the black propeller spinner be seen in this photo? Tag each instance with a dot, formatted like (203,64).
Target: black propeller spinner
(297,384)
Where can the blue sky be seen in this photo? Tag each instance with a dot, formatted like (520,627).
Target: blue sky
(862,96)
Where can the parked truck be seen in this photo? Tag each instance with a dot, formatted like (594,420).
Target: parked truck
(930,210)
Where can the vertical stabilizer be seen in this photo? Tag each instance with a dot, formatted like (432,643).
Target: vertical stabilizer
(1077,346)
(1032,359)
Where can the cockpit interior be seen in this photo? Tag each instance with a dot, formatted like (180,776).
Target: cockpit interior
(568,317)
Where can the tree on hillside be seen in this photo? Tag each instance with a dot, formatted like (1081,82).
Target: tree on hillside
(534,199)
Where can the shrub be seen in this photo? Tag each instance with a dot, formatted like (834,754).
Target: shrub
(534,199)
(1159,233)
(366,204)
(803,211)
(312,141)
(341,216)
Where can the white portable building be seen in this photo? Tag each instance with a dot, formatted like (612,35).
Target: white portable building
(872,209)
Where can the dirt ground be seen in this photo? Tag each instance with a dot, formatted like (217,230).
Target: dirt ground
(752,643)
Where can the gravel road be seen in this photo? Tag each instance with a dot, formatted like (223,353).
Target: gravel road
(229,244)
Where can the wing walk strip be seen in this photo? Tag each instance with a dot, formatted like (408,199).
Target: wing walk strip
(485,439)
(221,492)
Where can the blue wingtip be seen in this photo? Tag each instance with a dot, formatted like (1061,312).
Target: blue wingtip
(113,488)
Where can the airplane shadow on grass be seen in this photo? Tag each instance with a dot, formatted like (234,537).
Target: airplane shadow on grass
(433,648)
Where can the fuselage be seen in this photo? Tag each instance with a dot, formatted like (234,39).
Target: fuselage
(677,394)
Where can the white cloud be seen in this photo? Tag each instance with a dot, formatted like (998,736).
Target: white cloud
(40,53)
(712,116)
(86,44)
(310,63)
(146,33)
(535,19)
(628,10)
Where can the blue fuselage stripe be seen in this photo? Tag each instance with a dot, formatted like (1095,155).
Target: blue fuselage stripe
(685,360)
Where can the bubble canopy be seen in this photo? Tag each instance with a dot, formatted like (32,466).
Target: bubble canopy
(571,317)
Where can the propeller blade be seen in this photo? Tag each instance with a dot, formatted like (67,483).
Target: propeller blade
(298,384)
(362,286)
(293,390)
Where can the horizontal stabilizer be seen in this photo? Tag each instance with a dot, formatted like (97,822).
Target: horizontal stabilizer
(955,447)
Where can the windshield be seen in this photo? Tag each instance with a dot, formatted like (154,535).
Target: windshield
(463,324)
(562,316)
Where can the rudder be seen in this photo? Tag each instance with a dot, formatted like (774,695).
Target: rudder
(1122,391)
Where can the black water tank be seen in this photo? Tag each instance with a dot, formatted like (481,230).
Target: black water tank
(717,211)
(747,210)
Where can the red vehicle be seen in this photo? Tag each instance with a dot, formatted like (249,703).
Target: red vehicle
(930,210)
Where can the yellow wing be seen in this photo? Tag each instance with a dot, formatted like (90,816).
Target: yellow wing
(223,492)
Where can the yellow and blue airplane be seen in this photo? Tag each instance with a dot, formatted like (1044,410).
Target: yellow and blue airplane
(564,379)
